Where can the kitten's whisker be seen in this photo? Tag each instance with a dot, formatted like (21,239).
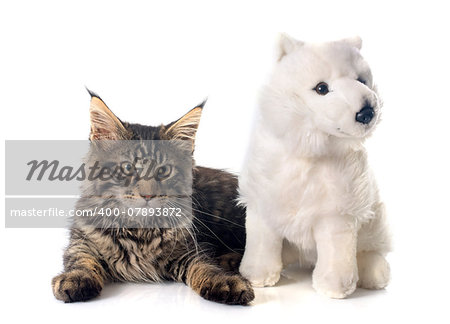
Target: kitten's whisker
(191,233)
(215,235)
(215,216)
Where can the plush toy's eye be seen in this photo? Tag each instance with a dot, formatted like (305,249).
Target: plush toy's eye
(322,88)
(361,80)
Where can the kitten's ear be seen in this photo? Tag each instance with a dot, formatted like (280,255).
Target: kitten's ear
(355,41)
(185,128)
(286,44)
(104,124)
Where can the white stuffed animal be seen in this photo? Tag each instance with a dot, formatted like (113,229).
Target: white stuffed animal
(306,182)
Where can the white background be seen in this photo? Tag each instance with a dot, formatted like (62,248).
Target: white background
(153,61)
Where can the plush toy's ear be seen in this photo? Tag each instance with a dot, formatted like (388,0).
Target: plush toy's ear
(286,44)
(104,124)
(186,127)
(355,41)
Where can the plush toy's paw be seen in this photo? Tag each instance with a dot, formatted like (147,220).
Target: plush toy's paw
(374,270)
(75,286)
(268,280)
(261,277)
(227,289)
(333,284)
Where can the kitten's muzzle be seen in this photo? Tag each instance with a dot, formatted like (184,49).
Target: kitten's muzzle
(148,197)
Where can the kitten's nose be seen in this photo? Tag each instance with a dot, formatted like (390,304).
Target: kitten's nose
(365,115)
(147,197)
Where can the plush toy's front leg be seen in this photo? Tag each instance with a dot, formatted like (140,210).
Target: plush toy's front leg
(336,271)
(261,263)
(373,243)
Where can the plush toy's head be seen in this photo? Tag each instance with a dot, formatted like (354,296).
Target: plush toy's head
(329,84)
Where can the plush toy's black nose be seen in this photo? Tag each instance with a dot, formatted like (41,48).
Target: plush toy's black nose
(365,115)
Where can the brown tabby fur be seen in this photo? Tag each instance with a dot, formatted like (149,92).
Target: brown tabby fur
(206,261)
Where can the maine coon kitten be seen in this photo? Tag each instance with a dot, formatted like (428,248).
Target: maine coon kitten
(200,251)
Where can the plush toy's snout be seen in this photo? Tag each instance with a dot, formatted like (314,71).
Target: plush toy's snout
(365,115)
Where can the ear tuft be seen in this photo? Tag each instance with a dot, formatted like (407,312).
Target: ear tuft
(202,104)
(104,124)
(186,127)
(92,93)
(287,44)
(355,41)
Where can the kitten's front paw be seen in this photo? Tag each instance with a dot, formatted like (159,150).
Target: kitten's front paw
(230,261)
(261,276)
(75,285)
(227,289)
(335,285)
(374,270)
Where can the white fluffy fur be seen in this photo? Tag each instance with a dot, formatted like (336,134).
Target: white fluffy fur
(309,193)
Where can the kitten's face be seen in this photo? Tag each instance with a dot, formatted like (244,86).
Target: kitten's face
(141,173)
(137,167)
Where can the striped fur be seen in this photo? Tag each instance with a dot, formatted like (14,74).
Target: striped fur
(205,256)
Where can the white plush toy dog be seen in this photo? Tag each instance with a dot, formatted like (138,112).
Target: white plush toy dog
(306,182)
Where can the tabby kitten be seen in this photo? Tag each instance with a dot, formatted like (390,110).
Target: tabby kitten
(203,249)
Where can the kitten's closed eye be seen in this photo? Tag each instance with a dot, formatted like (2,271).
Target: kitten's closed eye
(163,172)
(114,171)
